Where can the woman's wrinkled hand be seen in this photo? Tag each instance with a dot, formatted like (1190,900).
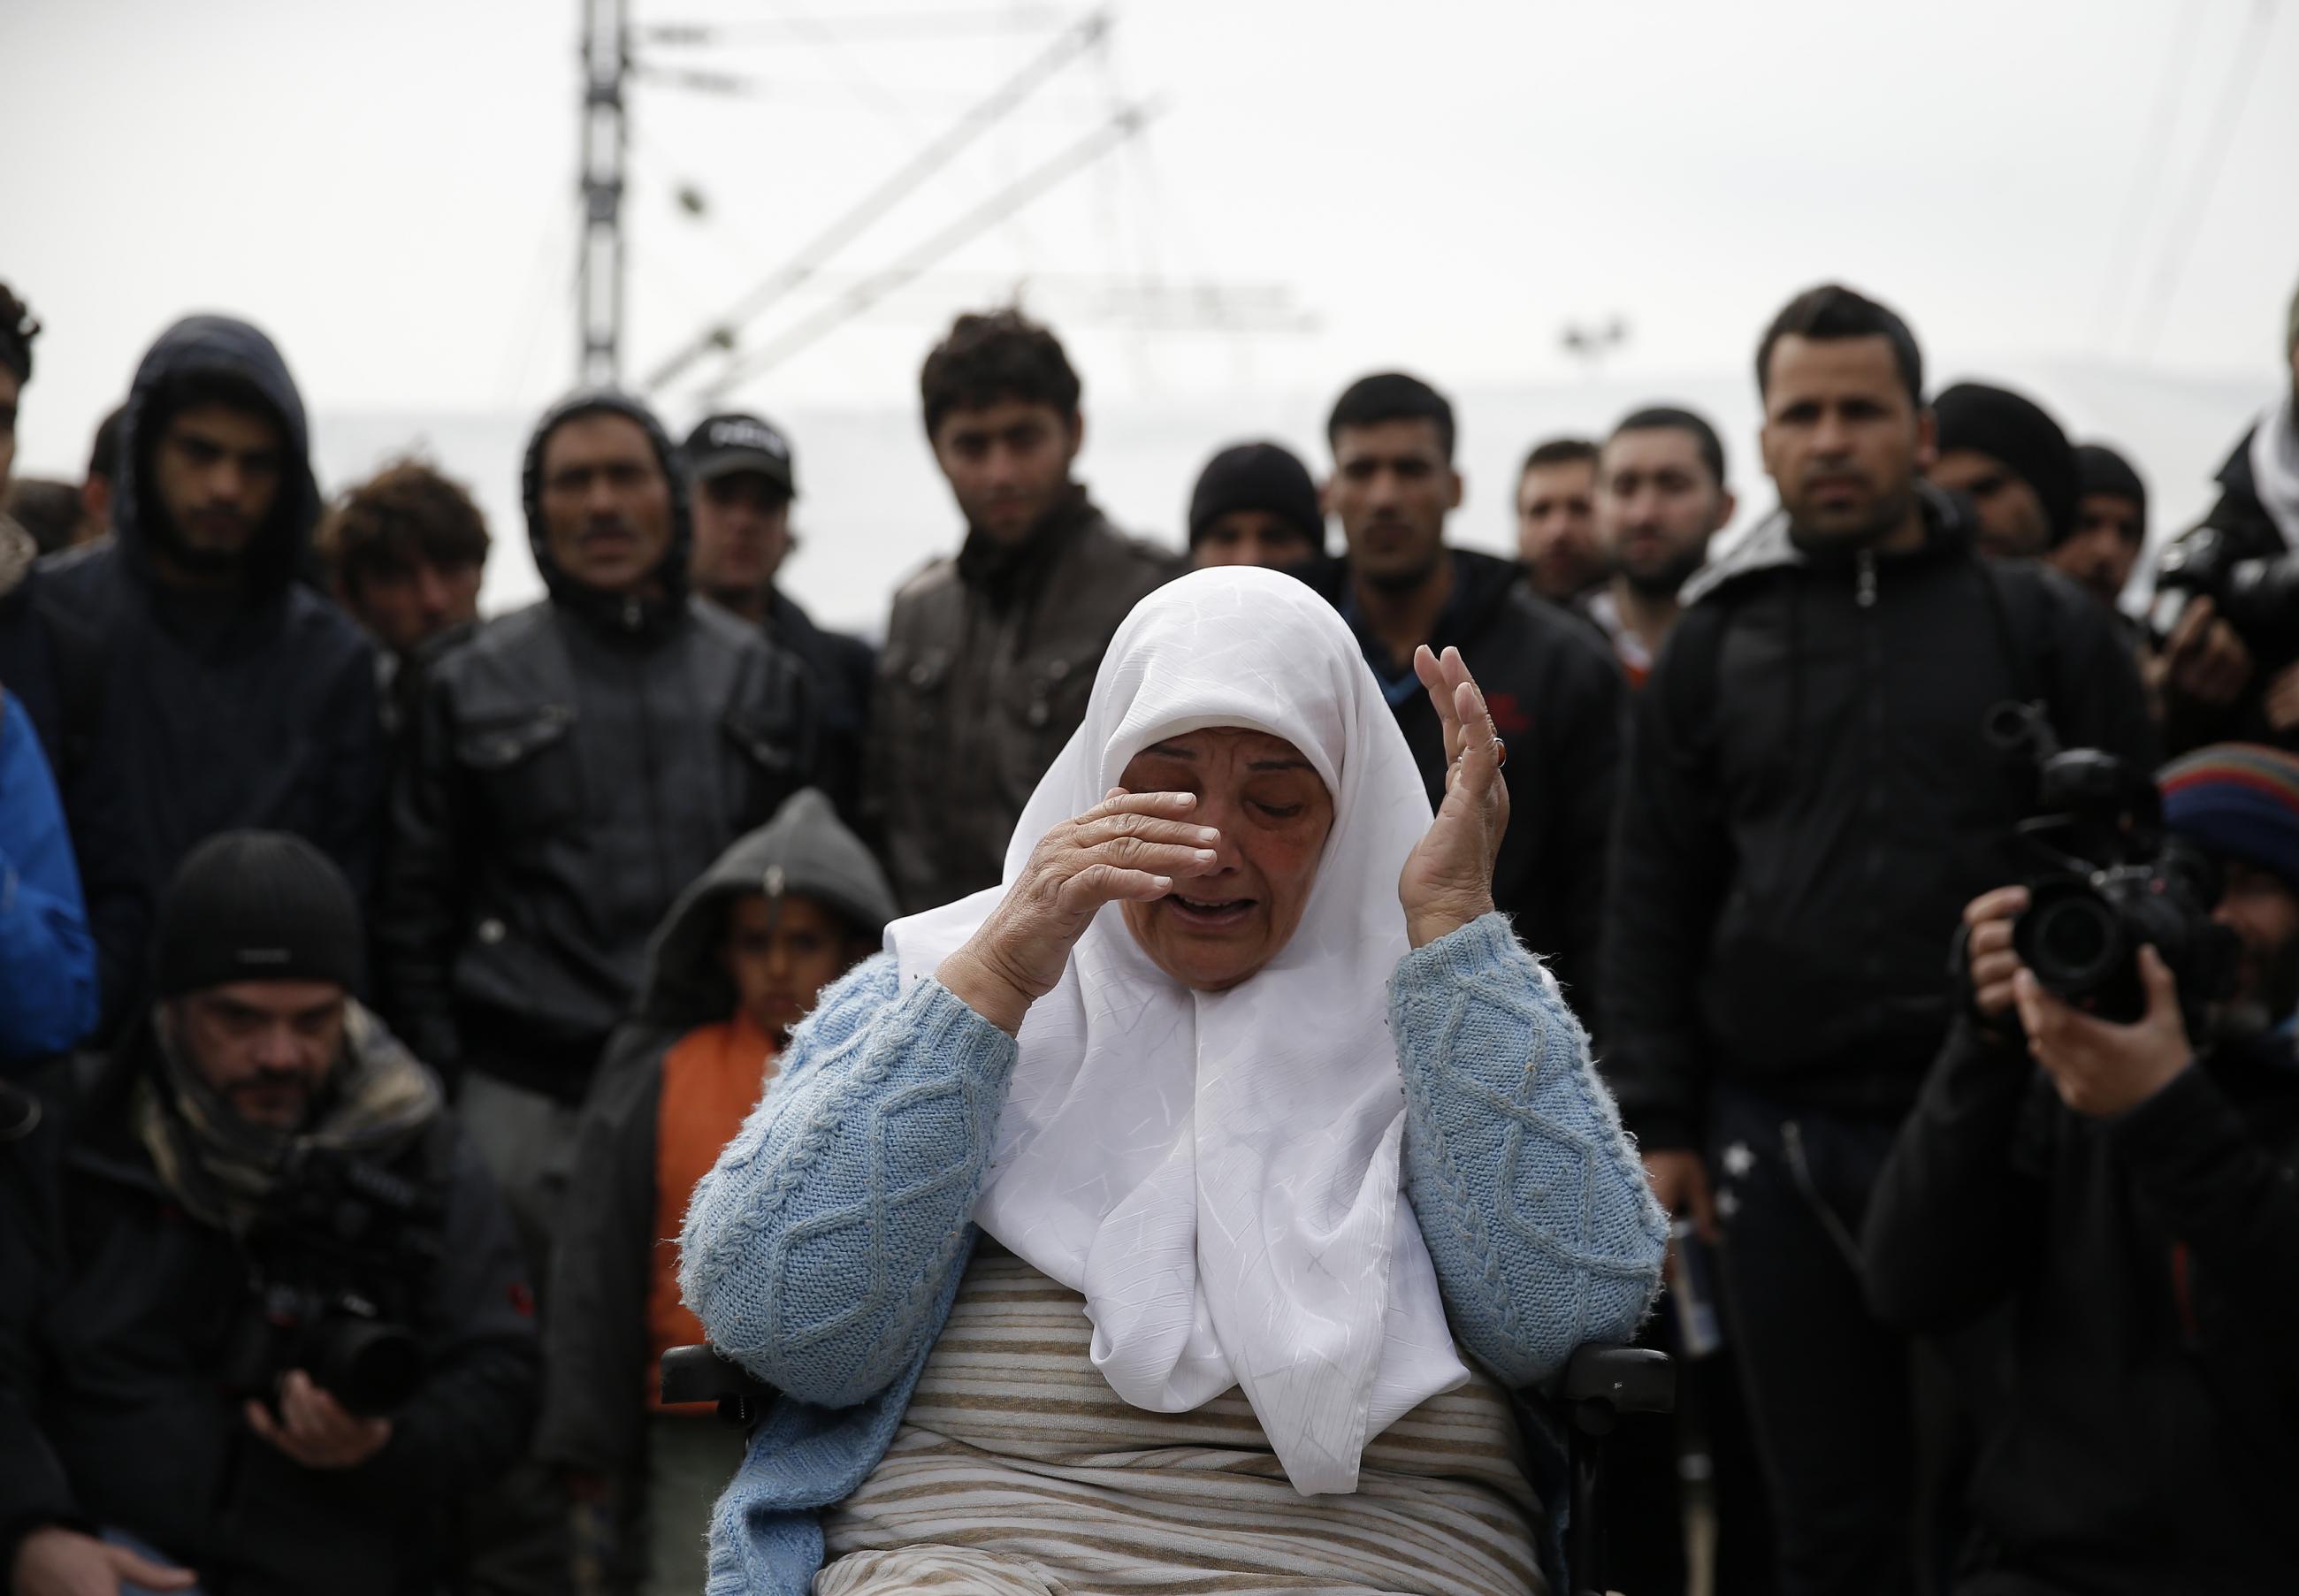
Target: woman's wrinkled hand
(1447,880)
(1131,845)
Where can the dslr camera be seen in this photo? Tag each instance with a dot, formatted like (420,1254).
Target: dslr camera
(2108,879)
(337,1259)
(2259,596)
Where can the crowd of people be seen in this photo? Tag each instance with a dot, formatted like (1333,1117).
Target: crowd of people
(1163,1043)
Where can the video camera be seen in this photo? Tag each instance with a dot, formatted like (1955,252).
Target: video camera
(2259,596)
(2109,880)
(337,1256)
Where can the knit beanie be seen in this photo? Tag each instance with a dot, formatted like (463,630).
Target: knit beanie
(2238,800)
(256,906)
(1264,477)
(2100,469)
(2002,424)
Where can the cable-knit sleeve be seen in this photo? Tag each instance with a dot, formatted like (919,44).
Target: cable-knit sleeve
(1530,1197)
(815,1250)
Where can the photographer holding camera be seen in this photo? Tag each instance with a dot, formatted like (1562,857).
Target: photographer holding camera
(2226,613)
(2132,1190)
(263,1316)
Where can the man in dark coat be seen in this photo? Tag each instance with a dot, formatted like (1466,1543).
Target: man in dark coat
(989,655)
(744,478)
(1553,688)
(232,694)
(179,1247)
(2220,683)
(1807,802)
(741,957)
(2133,1194)
(573,766)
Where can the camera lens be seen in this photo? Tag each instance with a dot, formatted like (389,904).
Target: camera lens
(367,1367)
(2071,941)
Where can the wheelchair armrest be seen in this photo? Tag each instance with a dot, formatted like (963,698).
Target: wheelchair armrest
(1602,1383)
(704,1374)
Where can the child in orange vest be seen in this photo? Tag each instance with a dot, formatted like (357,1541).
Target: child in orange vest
(737,964)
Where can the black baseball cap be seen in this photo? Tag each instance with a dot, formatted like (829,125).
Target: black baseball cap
(721,445)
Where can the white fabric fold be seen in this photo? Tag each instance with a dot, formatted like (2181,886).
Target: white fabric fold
(2275,465)
(1218,1173)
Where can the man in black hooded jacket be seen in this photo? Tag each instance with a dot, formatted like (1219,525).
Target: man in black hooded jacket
(1809,799)
(1553,688)
(572,767)
(232,694)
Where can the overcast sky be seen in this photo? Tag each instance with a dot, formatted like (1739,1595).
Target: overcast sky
(388,189)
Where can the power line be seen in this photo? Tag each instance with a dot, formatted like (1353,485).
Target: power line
(1074,159)
(722,333)
(2123,260)
(811,29)
(2241,73)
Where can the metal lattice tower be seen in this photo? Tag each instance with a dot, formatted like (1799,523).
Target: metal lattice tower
(606,138)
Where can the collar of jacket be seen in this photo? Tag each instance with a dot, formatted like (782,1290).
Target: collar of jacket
(17,552)
(1772,547)
(1004,573)
(638,616)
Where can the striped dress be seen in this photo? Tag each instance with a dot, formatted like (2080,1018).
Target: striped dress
(1018,1472)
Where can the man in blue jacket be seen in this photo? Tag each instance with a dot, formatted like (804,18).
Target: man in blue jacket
(47,961)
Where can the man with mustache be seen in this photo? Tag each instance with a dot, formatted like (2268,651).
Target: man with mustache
(1554,691)
(569,768)
(231,694)
(1808,802)
(188,1392)
(990,654)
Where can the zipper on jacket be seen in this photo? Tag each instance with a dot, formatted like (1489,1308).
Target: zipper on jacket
(1878,798)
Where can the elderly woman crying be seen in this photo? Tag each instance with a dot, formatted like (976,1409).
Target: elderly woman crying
(1180,1214)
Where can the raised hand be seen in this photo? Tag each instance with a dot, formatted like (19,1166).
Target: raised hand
(1131,845)
(1448,879)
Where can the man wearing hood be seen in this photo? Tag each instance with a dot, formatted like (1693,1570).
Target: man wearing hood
(1808,803)
(571,767)
(263,1320)
(233,696)
(1553,686)
(737,964)
(989,655)
(2004,452)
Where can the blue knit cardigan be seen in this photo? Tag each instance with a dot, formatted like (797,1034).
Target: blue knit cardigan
(824,1250)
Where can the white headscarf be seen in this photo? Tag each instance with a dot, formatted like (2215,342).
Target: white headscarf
(1218,1172)
(2275,465)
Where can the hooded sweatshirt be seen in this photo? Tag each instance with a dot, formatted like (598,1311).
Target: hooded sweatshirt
(1808,802)
(571,767)
(612,1285)
(252,709)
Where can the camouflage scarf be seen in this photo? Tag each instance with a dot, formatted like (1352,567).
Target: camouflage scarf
(222,1168)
